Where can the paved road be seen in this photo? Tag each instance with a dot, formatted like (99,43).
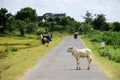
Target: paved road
(58,64)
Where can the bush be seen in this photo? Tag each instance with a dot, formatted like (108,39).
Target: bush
(117,59)
(6,50)
(95,37)
(30,28)
(40,31)
(111,54)
(116,26)
(13,49)
(104,52)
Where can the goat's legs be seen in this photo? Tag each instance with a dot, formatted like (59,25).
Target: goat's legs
(89,61)
(78,64)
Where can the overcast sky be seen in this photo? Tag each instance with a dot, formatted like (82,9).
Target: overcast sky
(73,8)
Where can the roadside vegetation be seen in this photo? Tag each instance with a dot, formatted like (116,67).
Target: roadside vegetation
(109,57)
(112,44)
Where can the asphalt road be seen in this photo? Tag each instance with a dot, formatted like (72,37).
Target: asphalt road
(58,64)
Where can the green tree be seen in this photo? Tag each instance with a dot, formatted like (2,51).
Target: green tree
(65,21)
(21,27)
(86,28)
(99,21)
(58,28)
(116,26)
(31,28)
(51,19)
(58,20)
(41,24)
(105,26)
(27,14)
(77,26)
(4,18)
(87,25)
(88,18)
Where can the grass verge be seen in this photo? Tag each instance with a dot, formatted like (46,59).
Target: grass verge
(111,68)
(15,66)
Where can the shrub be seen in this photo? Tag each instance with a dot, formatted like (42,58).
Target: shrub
(40,31)
(96,38)
(6,50)
(116,26)
(13,49)
(104,52)
(111,54)
(117,59)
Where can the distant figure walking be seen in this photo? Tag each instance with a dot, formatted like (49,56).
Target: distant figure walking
(75,35)
(102,44)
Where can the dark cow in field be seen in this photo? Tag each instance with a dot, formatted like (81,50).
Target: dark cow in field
(45,39)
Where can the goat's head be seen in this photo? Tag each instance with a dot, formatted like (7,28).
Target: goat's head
(70,49)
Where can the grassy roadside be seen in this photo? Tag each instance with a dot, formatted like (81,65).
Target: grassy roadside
(111,68)
(15,66)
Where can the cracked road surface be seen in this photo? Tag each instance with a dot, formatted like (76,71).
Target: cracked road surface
(58,64)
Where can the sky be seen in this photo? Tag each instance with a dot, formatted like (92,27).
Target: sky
(74,8)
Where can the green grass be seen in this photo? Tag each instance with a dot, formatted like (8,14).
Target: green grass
(111,68)
(15,65)
(111,39)
(12,43)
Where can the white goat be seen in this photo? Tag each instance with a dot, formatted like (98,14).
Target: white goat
(80,53)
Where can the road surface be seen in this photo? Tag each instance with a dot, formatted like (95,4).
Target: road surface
(58,64)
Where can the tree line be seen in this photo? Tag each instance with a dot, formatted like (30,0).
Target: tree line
(26,21)
(99,22)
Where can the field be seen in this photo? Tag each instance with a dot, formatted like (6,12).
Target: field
(14,64)
(108,58)
(10,44)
